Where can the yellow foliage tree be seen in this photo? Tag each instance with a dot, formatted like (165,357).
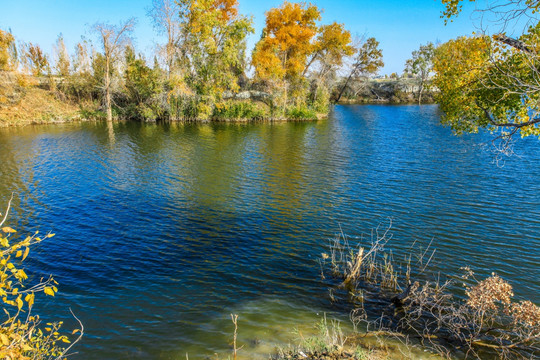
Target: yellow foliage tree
(7,41)
(286,42)
(492,81)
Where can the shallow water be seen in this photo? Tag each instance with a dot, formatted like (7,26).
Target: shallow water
(163,231)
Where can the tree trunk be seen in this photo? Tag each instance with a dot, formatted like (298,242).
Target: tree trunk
(108,91)
(420,93)
(345,85)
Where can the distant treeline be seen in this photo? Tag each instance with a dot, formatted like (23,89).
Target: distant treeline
(296,69)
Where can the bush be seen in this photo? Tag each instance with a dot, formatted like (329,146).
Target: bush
(301,113)
(235,110)
(21,336)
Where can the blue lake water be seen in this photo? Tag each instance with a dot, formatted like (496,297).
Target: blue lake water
(164,230)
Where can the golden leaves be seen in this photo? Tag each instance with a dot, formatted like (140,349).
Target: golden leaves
(8,230)
(287,40)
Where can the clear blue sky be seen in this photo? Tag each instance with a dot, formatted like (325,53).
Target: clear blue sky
(400,26)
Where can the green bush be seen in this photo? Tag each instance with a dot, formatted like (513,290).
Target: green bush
(92,114)
(301,113)
(234,110)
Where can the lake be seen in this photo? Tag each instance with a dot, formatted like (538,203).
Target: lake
(164,230)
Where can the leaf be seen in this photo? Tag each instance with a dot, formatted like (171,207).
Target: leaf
(26,251)
(29,299)
(48,291)
(19,303)
(8,230)
(5,339)
(19,253)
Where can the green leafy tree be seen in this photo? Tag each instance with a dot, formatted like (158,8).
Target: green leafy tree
(421,66)
(141,83)
(215,43)
(368,60)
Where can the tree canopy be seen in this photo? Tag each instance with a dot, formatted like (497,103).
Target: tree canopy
(492,81)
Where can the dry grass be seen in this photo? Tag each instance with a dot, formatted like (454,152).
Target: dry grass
(24,100)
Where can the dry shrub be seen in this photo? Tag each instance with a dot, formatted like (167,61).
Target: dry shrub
(485,322)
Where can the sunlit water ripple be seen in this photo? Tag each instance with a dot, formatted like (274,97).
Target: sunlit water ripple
(163,230)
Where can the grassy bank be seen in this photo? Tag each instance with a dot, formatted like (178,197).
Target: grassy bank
(27,100)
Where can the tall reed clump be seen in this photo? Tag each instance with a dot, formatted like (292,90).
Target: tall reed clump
(484,321)
(364,263)
(22,335)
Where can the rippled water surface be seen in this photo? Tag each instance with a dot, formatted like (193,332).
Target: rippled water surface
(163,230)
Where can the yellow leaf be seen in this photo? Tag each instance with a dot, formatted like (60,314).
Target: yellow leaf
(19,253)
(4,339)
(66,340)
(8,230)
(75,331)
(48,291)
(21,275)
(26,251)
(29,299)
(19,302)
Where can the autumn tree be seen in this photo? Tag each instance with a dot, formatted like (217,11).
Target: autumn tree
(62,65)
(81,59)
(215,44)
(367,61)
(286,42)
(112,38)
(166,15)
(80,85)
(7,45)
(35,59)
(332,45)
(421,65)
(491,80)
(282,53)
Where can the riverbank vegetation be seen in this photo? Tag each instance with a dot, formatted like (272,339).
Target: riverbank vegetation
(202,72)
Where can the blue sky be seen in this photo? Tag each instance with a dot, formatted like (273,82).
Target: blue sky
(400,26)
